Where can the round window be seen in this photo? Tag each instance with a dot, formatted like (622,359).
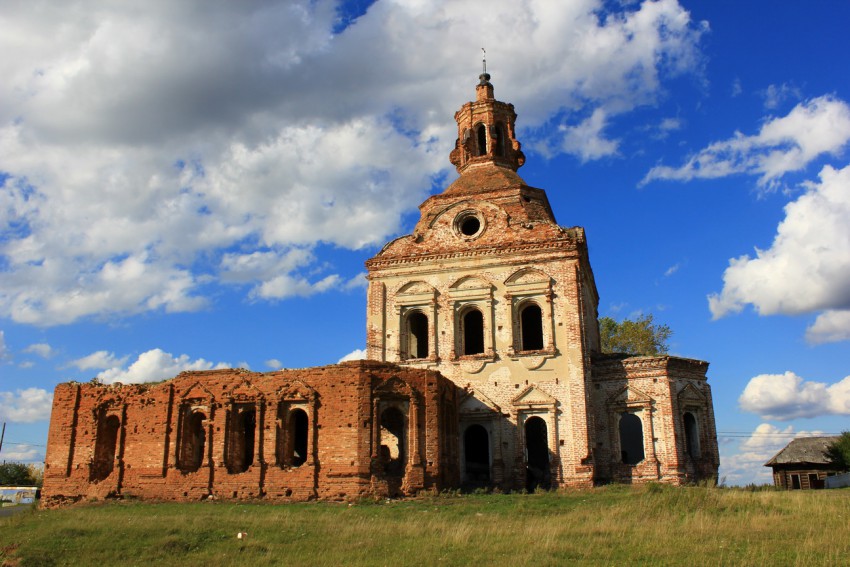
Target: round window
(468,224)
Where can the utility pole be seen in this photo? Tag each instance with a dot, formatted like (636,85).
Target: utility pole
(2,435)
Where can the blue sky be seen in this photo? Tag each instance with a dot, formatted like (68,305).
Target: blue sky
(198,184)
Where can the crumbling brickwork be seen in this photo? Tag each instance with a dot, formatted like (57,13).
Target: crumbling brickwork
(490,309)
(490,291)
(286,435)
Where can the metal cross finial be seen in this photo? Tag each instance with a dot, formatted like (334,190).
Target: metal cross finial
(484,58)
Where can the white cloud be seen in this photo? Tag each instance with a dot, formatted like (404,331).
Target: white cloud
(23,453)
(4,350)
(26,406)
(787,396)
(274,364)
(43,350)
(830,327)
(672,270)
(356,354)
(153,149)
(746,466)
(807,267)
(587,140)
(776,95)
(813,128)
(155,365)
(98,360)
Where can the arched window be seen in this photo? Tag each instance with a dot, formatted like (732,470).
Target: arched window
(417,335)
(298,435)
(392,444)
(631,438)
(481,137)
(476,450)
(106,444)
(691,435)
(500,140)
(531,327)
(472,324)
(537,451)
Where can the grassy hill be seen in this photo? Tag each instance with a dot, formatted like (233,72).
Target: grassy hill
(615,525)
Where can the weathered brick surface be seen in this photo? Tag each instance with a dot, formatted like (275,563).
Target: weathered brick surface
(512,254)
(500,413)
(342,435)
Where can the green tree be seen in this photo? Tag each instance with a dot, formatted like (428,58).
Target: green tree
(638,337)
(839,452)
(16,474)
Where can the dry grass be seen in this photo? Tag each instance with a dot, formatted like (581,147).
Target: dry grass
(608,526)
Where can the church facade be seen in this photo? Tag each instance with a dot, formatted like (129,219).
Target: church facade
(484,370)
(491,292)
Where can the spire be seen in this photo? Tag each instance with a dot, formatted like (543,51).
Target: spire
(486,130)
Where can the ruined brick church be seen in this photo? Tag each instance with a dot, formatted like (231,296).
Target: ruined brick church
(484,370)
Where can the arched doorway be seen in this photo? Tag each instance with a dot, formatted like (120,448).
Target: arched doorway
(538,473)
(631,438)
(476,450)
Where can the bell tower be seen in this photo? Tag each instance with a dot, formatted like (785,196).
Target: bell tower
(485,131)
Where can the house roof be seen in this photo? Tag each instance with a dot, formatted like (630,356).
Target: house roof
(803,450)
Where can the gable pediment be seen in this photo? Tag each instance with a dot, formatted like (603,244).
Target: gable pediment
(629,396)
(477,403)
(245,391)
(295,390)
(197,391)
(691,393)
(533,396)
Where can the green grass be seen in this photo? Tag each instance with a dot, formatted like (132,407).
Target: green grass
(615,525)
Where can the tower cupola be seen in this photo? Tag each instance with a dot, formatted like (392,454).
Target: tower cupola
(486,131)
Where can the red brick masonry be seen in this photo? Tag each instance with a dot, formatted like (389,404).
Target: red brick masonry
(332,432)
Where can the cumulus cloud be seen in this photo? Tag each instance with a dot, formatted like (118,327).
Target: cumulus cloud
(98,360)
(829,327)
(356,354)
(787,396)
(26,406)
(587,140)
(807,267)
(152,151)
(155,365)
(274,364)
(786,144)
(23,453)
(43,350)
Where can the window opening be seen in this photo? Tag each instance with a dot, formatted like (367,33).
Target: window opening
(470,225)
(417,335)
(531,327)
(691,435)
(298,432)
(814,482)
(393,450)
(795,482)
(105,446)
(476,449)
(631,438)
(538,473)
(481,132)
(500,140)
(242,439)
(473,332)
(194,442)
